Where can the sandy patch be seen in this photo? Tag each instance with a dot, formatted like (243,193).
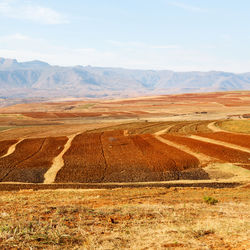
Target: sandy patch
(228,171)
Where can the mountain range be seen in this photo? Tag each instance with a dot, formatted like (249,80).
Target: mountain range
(39,79)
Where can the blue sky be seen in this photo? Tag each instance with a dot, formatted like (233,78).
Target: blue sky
(180,35)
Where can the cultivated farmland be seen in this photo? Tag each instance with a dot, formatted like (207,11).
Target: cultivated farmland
(221,153)
(151,139)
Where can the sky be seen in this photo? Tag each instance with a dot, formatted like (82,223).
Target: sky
(179,35)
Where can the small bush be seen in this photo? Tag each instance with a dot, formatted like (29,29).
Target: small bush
(210,200)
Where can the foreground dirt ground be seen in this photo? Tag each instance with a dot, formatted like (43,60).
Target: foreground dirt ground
(127,218)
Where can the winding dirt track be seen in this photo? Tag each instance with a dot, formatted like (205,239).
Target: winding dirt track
(214,128)
(12,149)
(58,162)
(163,131)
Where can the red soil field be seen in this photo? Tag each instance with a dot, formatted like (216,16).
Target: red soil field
(235,104)
(84,161)
(125,162)
(237,139)
(216,151)
(74,115)
(112,157)
(59,115)
(163,157)
(24,150)
(4,146)
(33,168)
(244,166)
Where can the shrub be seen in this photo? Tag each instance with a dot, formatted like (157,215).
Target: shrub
(210,200)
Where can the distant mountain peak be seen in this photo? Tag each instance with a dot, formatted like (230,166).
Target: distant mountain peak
(7,62)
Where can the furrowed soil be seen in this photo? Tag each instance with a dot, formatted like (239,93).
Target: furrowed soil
(112,156)
(128,218)
(84,161)
(176,164)
(24,150)
(237,139)
(32,169)
(222,153)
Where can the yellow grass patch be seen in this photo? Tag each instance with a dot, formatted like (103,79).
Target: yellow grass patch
(240,126)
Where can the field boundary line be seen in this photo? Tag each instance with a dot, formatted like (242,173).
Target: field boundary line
(7,186)
(11,149)
(204,159)
(221,143)
(58,162)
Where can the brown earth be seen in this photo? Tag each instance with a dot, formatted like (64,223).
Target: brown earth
(127,218)
(222,153)
(84,161)
(33,168)
(112,157)
(237,139)
(24,150)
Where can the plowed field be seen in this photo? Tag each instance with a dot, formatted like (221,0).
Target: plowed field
(128,152)
(112,157)
(237,139)
(166,159)
(216,151)
(4,146)
(125,162)
(32,169)
(24,150)
(84,161)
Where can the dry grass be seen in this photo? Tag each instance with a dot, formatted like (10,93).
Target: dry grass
(138,218)
(239,126)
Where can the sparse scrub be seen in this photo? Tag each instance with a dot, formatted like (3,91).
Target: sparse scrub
(124,218)
(210,200)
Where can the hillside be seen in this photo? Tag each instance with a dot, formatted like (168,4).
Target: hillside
(39,79)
